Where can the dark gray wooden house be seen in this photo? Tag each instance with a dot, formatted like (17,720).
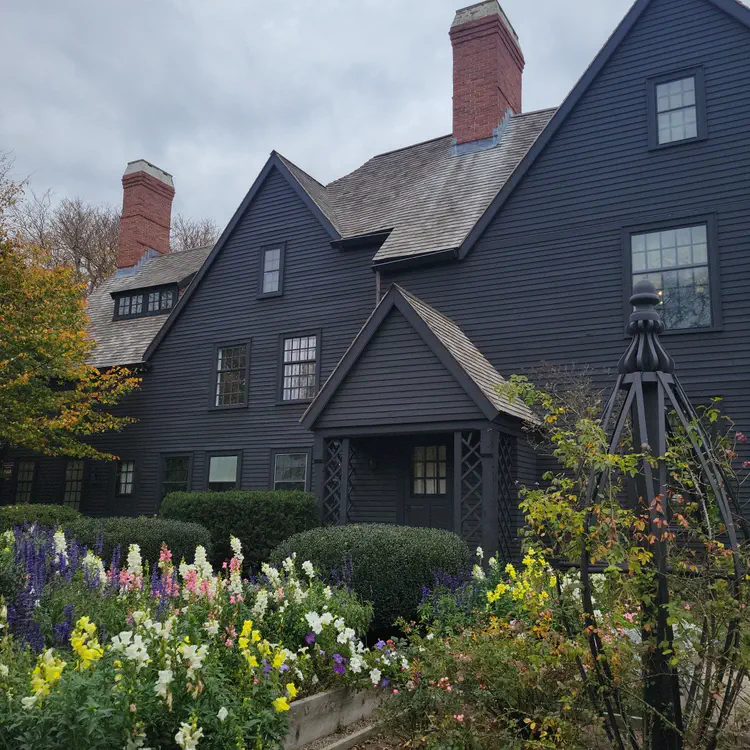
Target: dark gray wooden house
(347,338)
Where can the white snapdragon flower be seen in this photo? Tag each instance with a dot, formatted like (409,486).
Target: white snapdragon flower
(261,605)
(346,635)
(494,564)
(140,617)
(60,545)
(188,736)
(194,656)
(430,636)
(480,554)
(478,573)
(375,676)
(3,670)
(357,663)
(339,624)
(326,618)
(271,573)
(202,565)
(315,622)
(327,592)
(166,676)
(211,626)
(236,546)
(134,562)
(29,701)
(223,713)
(94,566)
(132,647)
(289,563)
(307,566)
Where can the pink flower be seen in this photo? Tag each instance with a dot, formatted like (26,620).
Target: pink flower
(746,464)
(224,565)
(395,692)
(686,607)
(629,616)
(165,555)
(229,643)
(458,717)
(741,438)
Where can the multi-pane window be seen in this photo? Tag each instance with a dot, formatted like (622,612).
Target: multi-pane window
(222,473)
(429,470)
(124,478)
(175,474)
(160,300)
(300,360)
(290,471)
(231,375)
(25,481)
(676,261)
(130,305)
(271,280)
(73,484)
(676,110)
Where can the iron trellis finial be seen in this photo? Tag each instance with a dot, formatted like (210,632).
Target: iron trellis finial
(645,352)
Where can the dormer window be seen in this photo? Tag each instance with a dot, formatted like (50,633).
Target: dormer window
(148,302)
(677,109)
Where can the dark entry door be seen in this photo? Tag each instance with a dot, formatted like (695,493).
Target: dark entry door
(429,497)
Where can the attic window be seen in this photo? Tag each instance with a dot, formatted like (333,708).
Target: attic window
(145,303)
(129,306)
(271,270)
(162,300)
(677,108)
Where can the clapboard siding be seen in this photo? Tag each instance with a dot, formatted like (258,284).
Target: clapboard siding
(397,380)
(326,290)
(545,281)
(378,487)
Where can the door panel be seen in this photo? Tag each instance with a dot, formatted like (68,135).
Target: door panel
(429,491)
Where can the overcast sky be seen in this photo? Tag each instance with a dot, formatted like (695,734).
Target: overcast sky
(205,89)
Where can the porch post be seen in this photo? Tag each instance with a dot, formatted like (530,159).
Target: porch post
(457,471)
(344,497)
(319,470)
(490,518)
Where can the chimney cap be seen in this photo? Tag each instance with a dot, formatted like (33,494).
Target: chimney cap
(482,10)
(141,165)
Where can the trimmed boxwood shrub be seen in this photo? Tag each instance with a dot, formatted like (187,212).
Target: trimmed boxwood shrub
(260,519)
(44,515)
(389,564)
(146,531)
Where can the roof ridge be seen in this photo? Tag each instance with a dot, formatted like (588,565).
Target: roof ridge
(289,162)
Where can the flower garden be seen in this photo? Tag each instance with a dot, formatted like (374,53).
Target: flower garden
(142,650)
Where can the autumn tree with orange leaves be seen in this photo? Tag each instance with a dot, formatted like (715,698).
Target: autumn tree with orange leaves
(51,399)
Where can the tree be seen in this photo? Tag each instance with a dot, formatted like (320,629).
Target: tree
(11,190)
(189,233)
(50,398)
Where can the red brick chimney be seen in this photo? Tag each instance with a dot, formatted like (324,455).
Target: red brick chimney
(487,71)
(147,194)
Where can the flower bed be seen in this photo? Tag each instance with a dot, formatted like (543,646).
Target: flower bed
(110,655)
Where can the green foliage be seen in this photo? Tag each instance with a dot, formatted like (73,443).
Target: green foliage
(44,515)
(259,519)
(389,564)
(147,532)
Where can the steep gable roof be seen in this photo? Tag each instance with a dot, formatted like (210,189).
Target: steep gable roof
(462,359)
(734,8)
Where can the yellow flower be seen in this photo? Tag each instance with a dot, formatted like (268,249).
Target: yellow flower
(246,628)
(281,704)
(255,636)
(251,660)
(291,690)
(511,571)
(278,660)
(242,642)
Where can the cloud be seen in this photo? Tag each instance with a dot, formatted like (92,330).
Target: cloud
(206,90)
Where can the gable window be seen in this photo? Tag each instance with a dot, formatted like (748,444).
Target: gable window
(73,484)
(124,478)
(677,261)
(223,473)
(25,481)
(129,305)
(677,109)
(271,271)
(300,368)
(160,300)
(175,474)
(290,471)
(231,375)
(429,470)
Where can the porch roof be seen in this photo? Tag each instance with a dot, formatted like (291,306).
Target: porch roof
(468,366)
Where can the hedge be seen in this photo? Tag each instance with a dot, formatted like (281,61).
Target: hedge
(386,564)
(44,515)
(259,519)
(147,532)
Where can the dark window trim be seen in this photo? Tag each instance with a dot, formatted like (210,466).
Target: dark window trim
(214,372)
(282,258)
(222,454)
(34,478)
(144,302)
(700,106)
(84,479)
(318,333)
(115,491)
(713,266)
(174,454)
(286,451)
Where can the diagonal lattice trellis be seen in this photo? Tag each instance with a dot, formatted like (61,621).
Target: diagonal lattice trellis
(471,487)
(350,483)
(332,467)
(506,497)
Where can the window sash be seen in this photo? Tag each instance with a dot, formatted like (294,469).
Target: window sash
(271,276)
(125,478)
(73,483)
(223,472)
(25,475)
(290,471)
(430,470)
(130,305)
(676,110)
(231,375)
(300,368)
(175,474)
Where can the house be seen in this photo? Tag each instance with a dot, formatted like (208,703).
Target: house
(347,338)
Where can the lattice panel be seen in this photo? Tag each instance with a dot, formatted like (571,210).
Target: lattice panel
(506,498)
(332,466)
(471,488)
(350,483)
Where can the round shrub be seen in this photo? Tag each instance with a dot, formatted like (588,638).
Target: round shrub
(44,515)
(386,564)
(259,519)
(147,532)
